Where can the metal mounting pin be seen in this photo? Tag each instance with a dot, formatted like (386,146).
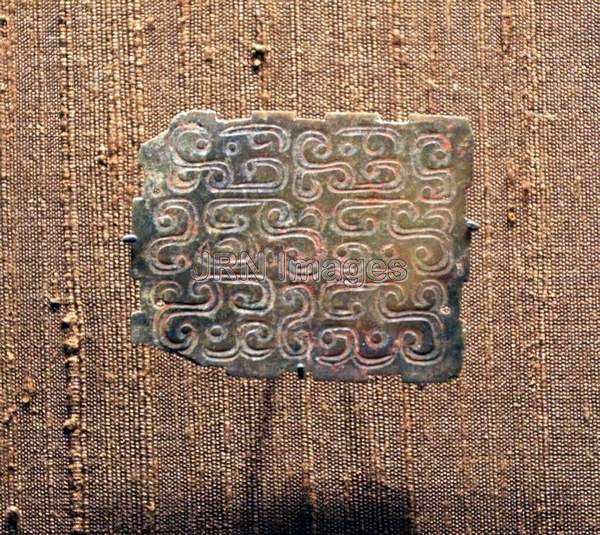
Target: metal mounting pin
(129,239)
(301,371)
(472,225)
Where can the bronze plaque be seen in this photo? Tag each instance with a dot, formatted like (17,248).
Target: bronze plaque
(336,246)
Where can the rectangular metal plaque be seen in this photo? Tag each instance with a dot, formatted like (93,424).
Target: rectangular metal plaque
(338,246)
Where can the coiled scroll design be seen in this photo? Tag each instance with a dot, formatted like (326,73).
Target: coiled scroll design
(347,190)
(350,160)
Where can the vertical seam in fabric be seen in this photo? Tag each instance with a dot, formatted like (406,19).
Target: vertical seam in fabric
(75,423)
(8,262)
(540,262)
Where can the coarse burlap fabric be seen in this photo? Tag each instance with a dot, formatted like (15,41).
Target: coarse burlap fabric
(98,436)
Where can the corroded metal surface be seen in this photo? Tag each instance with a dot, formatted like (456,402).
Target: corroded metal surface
(336,246)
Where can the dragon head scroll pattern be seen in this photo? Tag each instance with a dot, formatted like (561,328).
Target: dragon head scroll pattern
(283,200)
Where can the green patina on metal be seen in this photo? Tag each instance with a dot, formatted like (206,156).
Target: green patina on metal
(335,246)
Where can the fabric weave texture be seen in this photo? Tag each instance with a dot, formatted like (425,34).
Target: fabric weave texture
(99,436)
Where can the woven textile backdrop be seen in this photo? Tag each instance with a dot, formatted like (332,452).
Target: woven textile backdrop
(98,436)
